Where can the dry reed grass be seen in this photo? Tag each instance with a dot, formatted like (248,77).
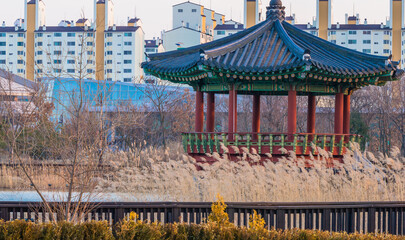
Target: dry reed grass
(160,175)
(170,175)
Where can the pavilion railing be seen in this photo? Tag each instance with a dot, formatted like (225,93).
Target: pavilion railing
(267,143)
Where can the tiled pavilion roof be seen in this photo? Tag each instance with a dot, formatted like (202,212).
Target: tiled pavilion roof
(267,49)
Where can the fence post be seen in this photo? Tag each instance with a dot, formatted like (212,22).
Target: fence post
(371,220)
(326,220)
(4,214)
(118,214)
(231,215)
(280,219)
(176,214)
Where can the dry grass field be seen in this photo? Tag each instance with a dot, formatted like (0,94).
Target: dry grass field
(171,175)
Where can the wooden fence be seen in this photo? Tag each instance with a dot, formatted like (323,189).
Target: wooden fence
(364,217)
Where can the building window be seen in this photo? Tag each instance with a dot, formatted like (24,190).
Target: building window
(71,43)
(57,61)
(57,43)
(127,52)
(386,51)
(343,43)
(367,32)
(109,53)
(128,34)
(39,61)
(20,61)
(71,34)
(2,34)
(221,32)
(57,70)
(149,50)
(21,35)
(2,61)
(90,52)
(20,70)
(109,62)
(20,53)
(2,44)
(387,33)
(332,32)
(366,41)
(39,53)
(387,42)
(333,41)
(71,52)
(127,70)
(57,53)
(108,34)
(127,79)
(315,33)
(70,61)
(352,41)
(71,71)
(20,44)
(366,50)
(109,70)
(127,61)
(39,44)
(89,44)
(90,35)
(352,32)
(57,34)
(89,70)
(127,43)
(39,70)
(180,10)
(108,44)
(89,61)
(40,34)
(2,52)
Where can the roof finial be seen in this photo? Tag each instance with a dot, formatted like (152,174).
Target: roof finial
(275,10)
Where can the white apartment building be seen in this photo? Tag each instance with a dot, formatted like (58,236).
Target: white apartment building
(229,28)
(363,37)
(70,48)
(193,24)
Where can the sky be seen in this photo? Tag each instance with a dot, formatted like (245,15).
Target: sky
(156,15)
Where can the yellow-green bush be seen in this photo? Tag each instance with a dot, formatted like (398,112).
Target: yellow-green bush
(133,230)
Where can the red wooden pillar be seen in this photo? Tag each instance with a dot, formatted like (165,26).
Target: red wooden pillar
(211,112)
(311,119)
(232,115)
(292,112)
(199,111)
(346,115)
(339,113)
(256,114)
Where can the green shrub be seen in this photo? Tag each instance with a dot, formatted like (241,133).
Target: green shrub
(133,229)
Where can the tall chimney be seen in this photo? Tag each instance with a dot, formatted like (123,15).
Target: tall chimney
(396,23)
(31,22)
(100,28)
(324,17)
(251,13)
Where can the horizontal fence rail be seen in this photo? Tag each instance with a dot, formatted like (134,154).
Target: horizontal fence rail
(363,217)
(272,143)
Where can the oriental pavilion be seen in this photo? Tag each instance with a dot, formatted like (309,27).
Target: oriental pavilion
(271,58)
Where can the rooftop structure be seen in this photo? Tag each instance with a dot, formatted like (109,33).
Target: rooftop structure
(193,24)
(271,58)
